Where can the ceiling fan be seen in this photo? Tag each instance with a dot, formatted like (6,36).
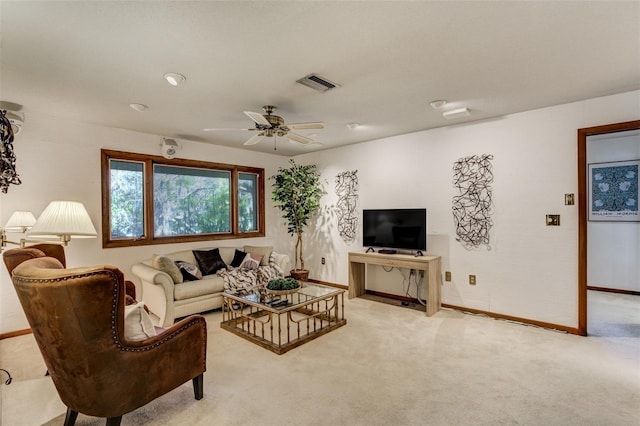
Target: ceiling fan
(269,125)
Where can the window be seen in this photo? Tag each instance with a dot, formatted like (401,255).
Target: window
(248,201)
(153,200)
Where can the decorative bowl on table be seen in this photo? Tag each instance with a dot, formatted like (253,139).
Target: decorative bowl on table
(281,286)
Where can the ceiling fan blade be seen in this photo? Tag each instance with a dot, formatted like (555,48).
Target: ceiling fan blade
(222,129)
(258,118)
(306,126)
(298,138)
(255,139)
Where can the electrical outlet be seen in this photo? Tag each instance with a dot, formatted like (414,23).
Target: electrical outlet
(472,279)
(323,261)
(553,220)
(447,276)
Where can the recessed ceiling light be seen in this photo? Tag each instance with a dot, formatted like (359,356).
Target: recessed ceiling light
(175,79)
(456,113)
(439,103)
(139,107)
(353,125)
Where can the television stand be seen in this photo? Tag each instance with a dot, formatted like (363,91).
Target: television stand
(430,264)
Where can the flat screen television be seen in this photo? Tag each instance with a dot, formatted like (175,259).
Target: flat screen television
(395,228)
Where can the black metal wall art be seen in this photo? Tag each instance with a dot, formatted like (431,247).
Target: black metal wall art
(347,191)
(473,207)
(8,174)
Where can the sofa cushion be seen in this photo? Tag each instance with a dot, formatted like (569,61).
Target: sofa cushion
(265,251)
(137,323)
(184,255)
(207,285)
(209,261)
(190,272)
(251,261)
(166,264)
(238,257)
(226,253)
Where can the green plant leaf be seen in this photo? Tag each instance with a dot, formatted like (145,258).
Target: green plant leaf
(297,192)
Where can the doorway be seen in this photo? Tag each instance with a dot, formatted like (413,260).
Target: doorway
(583,134)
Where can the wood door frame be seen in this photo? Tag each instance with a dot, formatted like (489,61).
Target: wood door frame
(583,134)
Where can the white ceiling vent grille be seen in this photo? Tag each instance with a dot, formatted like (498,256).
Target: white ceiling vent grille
(318,83)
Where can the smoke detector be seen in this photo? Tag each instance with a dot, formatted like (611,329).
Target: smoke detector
(169,147)
(16,119)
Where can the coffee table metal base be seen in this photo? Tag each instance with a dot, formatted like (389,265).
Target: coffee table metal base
(280,330)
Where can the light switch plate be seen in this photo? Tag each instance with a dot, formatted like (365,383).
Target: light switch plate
(569,199)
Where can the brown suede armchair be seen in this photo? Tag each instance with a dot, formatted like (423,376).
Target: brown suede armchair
(77,318)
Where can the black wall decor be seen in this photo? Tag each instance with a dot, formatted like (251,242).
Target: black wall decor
(473,207)
(347,191)
(8,174)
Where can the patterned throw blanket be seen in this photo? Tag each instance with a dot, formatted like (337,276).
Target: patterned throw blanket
(242,281)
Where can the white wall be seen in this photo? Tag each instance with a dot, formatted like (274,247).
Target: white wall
(531,269)
(60,160)
(530,272)
(613,248)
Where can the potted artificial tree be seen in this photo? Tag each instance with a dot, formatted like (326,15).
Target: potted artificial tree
(297,192)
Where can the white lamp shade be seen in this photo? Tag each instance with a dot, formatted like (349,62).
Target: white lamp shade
(63,218)
(19,221)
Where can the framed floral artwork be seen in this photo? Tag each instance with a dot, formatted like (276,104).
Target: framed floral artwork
(613,191)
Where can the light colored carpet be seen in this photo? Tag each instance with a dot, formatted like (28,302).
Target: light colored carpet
(389,366)
(44,403)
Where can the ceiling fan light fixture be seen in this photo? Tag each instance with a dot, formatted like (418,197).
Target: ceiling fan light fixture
(456,113)
(175,79)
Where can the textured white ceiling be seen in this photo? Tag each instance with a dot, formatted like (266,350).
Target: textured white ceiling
(88,60)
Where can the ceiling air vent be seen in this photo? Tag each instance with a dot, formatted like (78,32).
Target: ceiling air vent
(318,83)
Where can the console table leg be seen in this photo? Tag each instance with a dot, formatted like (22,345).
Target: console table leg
(434,285)
(356,279)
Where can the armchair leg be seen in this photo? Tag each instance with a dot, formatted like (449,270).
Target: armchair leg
(198,386)
(114,421)
(70,418)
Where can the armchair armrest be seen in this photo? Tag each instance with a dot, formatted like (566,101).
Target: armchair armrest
(177,355)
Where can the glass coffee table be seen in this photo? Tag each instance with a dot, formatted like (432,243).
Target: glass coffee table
(283,322)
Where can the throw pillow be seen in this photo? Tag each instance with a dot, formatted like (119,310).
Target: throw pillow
(264,251)
(238,257)
(209,261)
(137,323)
(250,262)
(165,264)
(190,272)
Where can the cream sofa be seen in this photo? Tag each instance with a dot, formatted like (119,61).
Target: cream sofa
(168,301)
